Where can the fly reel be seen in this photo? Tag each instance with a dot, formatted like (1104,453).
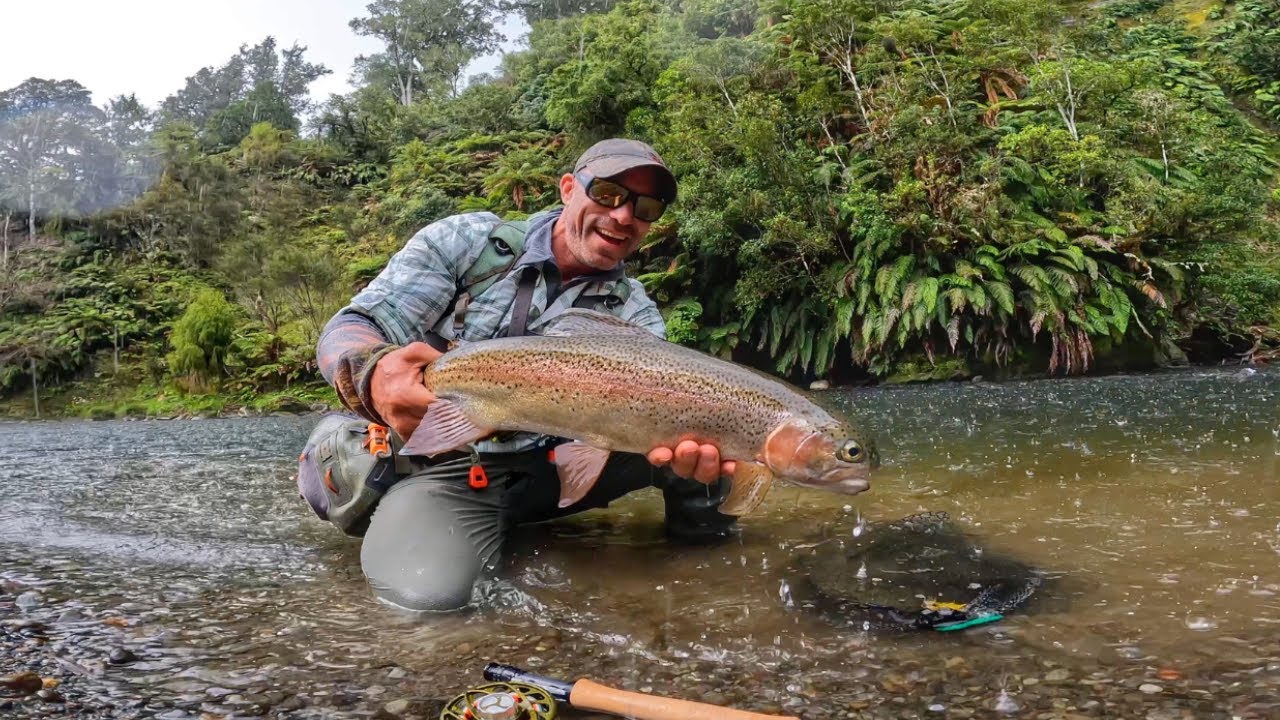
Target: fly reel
(502,701)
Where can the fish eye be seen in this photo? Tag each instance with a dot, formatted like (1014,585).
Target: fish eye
(851,451)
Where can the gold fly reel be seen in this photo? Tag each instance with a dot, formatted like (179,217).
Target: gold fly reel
(501,701)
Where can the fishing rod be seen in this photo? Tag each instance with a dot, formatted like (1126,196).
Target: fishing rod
(587,695)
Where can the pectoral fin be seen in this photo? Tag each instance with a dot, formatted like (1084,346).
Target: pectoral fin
(444,428)
(751,482)
(579,466)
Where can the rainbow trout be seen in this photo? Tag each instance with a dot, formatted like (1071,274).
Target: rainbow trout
(611,386)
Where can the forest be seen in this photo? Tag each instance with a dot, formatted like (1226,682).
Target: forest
(870,190)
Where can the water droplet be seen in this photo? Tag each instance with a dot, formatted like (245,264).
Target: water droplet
(1201,624)
(1005,704)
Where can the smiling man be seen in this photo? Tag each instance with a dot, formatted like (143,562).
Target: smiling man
(432,527)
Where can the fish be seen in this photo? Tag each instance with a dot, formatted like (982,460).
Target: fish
(606,385)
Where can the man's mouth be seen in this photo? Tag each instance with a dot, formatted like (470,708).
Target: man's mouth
(611,237)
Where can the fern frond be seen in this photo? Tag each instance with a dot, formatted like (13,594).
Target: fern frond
(1064,283)
(1003,295)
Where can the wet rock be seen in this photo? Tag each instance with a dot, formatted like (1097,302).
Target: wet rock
(711,697)
(50,695)
(291,703)
(28,600)
(819,385)
(23,683)
(343,699)
(411,706)
(74,615)
(218,692)
(398,673)
(121,656)
(1150,688)
(1059,675)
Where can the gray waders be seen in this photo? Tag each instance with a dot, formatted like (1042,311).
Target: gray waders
(432,536)
(433,529)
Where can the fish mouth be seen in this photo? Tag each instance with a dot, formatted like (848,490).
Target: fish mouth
(843,481)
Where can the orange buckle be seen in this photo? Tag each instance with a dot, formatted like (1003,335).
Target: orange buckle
(477,479)
(378,444)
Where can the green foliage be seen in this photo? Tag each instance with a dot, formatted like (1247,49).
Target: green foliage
(918,189)
(202,338)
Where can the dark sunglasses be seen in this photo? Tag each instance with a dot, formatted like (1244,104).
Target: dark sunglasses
(612,195)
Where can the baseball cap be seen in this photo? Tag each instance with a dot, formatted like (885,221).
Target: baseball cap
(612,157)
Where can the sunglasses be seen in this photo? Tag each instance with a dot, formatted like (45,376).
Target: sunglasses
(612,195)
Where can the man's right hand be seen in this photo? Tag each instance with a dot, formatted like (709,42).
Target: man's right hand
(398,395)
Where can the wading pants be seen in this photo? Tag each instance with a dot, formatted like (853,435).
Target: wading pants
(432,536)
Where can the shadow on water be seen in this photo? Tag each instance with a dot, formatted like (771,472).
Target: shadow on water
(167,569)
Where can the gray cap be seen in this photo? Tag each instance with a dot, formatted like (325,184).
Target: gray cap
(612,157)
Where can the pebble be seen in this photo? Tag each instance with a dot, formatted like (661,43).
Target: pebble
(1150,688)
(23,683)
(1058,675)
(28,600)
(121,656)
(50,695)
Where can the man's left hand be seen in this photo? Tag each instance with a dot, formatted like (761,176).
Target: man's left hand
(691,460)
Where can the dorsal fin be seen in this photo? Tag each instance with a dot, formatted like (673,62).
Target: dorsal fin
(580,322)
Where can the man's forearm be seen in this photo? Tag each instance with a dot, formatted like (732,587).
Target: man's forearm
(350,345)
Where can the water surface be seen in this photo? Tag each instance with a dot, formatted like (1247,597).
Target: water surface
(1154,499)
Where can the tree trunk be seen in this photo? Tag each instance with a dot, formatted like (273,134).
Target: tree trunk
(35,386)
(4,231)
(31,213)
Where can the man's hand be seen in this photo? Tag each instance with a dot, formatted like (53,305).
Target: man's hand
(691,460)
(398,395)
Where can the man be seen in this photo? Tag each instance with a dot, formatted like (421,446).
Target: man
(437,528)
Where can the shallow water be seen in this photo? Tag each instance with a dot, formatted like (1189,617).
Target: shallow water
(1154,499)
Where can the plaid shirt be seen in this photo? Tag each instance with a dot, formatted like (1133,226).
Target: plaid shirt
(415,293)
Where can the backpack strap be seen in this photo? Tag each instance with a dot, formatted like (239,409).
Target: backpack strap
(504,245)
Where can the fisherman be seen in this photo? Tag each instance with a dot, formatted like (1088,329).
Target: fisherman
(435,525)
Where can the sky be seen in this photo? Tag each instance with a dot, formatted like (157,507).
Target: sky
(150,47)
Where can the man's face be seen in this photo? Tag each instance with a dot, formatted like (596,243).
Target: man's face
(597,237)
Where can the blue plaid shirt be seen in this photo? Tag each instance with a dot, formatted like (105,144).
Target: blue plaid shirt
(414,295)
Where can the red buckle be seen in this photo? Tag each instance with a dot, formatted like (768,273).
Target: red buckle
(477,479)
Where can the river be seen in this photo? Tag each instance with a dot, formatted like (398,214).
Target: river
(168,569)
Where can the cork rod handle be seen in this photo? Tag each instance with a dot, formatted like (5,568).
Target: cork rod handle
(588,695)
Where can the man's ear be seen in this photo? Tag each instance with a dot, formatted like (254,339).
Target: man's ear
(567,183)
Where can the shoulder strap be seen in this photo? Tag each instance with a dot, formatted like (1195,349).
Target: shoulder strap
(617,294)
(501,249)
(506,242)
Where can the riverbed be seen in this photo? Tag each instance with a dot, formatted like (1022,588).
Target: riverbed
(168,569)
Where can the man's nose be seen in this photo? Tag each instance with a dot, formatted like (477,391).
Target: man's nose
(624,214)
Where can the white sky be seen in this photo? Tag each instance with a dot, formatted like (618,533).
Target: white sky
(150,47)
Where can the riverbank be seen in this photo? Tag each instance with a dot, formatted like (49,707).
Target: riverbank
(113,398)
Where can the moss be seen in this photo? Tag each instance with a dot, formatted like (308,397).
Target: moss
(918,368)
